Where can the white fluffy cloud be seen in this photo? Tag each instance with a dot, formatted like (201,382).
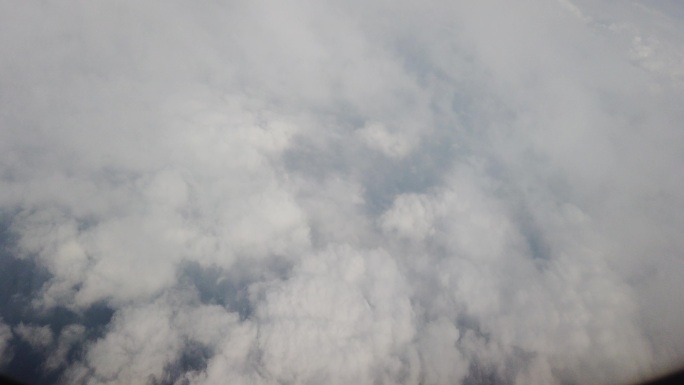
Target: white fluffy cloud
(346,192)
(344,316)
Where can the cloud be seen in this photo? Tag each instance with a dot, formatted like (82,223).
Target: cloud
(38,337)
(342,192)
(362,294)
(377,137)
(5,338)
(70,336)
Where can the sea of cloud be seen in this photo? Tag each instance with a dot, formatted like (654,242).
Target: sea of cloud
(341,192)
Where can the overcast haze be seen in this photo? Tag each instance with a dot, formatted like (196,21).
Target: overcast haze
(341,192)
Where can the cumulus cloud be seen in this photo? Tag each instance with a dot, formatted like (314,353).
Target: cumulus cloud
(68,338)
(38,337)
(377,137)
(342,192)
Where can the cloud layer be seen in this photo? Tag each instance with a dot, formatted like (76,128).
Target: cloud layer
(342,192)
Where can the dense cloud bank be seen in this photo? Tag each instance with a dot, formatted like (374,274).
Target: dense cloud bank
(341,192)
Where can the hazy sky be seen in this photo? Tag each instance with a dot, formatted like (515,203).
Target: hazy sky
(341,192)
